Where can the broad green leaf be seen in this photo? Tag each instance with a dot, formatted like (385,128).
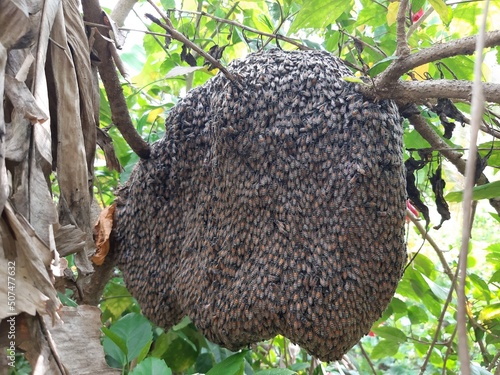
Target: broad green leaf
(481,286)
(398,306)
(495,278)
(442,10)
(390,333)
(168,4)
(276,371)
(65,300)
(490,312)
(204,362)
(151,366)
(233,365)
(115,346)
(384,349)
(392,12)
(178,352)
(416,5)
(432,304)
(495,216)
(417,315)
(319,14)
(381,65)
(439,291)
(134,331)
(486,191)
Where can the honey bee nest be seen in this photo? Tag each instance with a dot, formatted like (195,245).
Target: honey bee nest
(278,209)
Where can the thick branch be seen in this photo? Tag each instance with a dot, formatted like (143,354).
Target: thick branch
(403,49)
(464,46)
(417,91)
(119,110)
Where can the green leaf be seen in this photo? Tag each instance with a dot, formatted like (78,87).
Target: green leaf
(276,371)
(383,349)
(442,10)
(390,334)
(131,334)
(495,278)
(353,79)
(490,312)
(417,315)
(486,191)
(439,291)
(398,306)
(381,65)
(167,4)
(319,14)
(114,346)
(66,301)
(151,366)
(233,365)
(481,286)
(178,352)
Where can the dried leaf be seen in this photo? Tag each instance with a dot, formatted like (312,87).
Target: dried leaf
(71,163)
(413,165)
(102,231)
(22,100)
(438,185)
(69,240)
(106,144)
(34,289)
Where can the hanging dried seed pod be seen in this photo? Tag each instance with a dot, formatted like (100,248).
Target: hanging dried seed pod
(277,209)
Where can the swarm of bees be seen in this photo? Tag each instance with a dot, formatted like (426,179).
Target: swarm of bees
(278,209)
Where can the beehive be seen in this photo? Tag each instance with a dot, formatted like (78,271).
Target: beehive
(276,209)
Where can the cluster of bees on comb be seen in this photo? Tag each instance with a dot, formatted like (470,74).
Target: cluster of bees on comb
(277,209)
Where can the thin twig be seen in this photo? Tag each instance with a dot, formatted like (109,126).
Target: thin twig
(247,28)
(181,38)
(119,110)
(402,49)
(477,110)
(431,241)
(367,357)
(439,325)
(417,24)
(449,351)
(494,362)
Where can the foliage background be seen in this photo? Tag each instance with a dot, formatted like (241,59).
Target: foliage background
(418,332)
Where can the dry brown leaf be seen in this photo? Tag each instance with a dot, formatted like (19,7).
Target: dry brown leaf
(88,85)
(102,232)
(34,289)
(69,239)
(22,99)
(71,163)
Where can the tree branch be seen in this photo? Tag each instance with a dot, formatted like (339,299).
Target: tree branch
(119,110)
(403,49)
(463,46)
(453,156)
(418,91)
(181,38)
